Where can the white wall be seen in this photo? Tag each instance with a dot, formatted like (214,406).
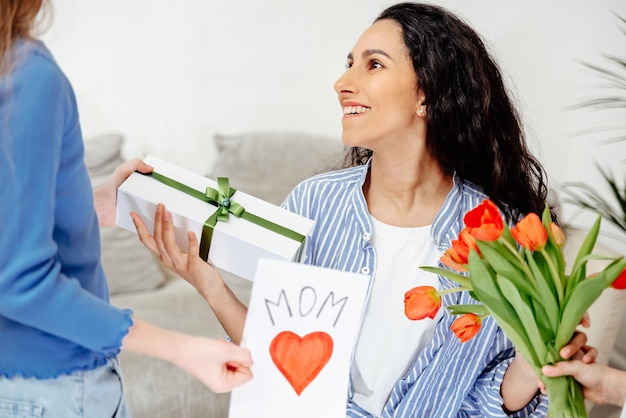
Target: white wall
(169,74)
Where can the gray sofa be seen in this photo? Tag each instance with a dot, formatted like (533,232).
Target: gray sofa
(274,163)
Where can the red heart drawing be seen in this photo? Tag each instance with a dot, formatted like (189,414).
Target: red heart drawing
(301,359)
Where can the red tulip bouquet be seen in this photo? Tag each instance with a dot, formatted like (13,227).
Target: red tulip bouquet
(518,276)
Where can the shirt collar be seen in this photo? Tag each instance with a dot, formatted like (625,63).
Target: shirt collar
(449,220)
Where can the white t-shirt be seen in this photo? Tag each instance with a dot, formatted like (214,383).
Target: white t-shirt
(389,342)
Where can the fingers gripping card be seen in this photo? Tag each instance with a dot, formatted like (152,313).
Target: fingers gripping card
(301,328)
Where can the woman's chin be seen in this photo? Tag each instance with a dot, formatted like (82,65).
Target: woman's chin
(351,139)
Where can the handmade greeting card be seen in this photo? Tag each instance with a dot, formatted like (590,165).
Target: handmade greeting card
(302,326)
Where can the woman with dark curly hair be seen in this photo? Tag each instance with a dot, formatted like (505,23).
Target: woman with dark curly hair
(432,133)
(472,128)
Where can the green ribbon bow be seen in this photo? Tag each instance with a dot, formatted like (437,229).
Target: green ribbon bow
(222,198)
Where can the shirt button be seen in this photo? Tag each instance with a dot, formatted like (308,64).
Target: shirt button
(365,270)
(366,236)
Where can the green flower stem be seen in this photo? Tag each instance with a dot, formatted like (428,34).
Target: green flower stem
(522,262)
(451,290)
(565,397)
(556,277)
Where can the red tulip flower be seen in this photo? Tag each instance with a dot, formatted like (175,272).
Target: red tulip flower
(457,255)
(421,302)
(557,234)
(466,327)
(530,233)
(451,259)
(484,221)
(620,282)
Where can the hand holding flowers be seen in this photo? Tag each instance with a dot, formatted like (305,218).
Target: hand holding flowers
(518,276)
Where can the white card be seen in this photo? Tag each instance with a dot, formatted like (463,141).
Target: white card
(301,328)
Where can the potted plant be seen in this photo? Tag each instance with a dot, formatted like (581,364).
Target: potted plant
(583,195)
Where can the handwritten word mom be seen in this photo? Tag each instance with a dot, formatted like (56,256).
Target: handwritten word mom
(307,304)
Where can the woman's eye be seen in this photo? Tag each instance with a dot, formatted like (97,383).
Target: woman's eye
(349,64)
(375,65)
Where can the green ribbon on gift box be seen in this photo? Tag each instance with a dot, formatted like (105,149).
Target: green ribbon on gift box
(222,198)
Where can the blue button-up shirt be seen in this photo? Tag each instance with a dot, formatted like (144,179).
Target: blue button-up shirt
(449,378)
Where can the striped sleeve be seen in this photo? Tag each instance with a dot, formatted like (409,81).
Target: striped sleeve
(485,396)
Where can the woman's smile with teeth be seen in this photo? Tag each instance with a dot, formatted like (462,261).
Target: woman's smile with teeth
(355,110)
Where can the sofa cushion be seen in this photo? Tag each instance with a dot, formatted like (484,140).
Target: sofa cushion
(269,164)
(129,266)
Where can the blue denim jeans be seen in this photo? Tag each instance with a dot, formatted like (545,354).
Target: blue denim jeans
(97,393)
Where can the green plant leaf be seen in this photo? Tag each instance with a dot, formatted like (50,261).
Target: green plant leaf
(618,195)
(506,235)
(503,251)
(579,270)
(589,198)
(582,297)
(480,310)
(489,293)
(552,248)
(504,267)
(525,313)
(546,329)
(460,279)
(547,291)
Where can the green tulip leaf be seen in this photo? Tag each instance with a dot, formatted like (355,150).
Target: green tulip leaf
(520,341)
(579,270)
(500,250)
(480,310)
(506,236)
(504,267)
(582,265)
(546,216)
(546,289)
(460,279)
(582,297)
(527,317)
(523,283)
(546,329)
(489,293)
(474,295)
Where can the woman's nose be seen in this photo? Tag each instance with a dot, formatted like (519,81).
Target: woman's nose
(345,83)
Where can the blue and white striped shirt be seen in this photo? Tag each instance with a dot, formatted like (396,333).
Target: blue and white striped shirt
(449,378)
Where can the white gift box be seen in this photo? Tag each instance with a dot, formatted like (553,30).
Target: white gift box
(237,244)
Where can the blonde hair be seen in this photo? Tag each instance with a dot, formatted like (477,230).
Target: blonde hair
(17,20)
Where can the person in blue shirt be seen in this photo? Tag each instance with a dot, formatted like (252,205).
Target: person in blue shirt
(431,132)
(59,335)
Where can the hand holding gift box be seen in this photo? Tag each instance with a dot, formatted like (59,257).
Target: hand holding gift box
(197,204)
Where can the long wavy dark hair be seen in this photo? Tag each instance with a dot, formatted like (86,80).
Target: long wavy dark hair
(472,127)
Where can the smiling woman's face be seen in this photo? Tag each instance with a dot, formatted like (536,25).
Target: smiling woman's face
(378,90)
